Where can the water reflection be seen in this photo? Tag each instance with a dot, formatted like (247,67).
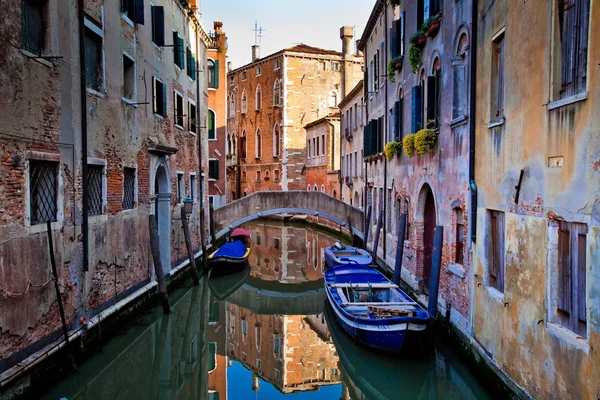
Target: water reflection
(262,333)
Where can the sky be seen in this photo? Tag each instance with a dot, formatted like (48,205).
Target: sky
(284,22)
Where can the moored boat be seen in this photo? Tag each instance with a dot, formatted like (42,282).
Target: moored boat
(372,309)
(231,257)
(339,254)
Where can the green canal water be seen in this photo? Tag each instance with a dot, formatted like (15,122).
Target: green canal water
(263,333)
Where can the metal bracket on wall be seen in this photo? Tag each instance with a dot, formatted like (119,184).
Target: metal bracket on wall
(518,187)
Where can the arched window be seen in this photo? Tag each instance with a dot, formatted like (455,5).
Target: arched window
(334,194)
(276,173)
(244,175)
(258,98)
(243,147)
(333,99)
(257,176)
(229,150)
(276,94)
(276,141)
(212,82)
(323,188)
(232,106)
(212,131)
(316,189)
(459,256)
(459,76)
(267,176)
(258,144)
(434,95)
(244,103)
(308,187)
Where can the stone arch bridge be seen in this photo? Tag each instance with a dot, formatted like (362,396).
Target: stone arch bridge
(262,204)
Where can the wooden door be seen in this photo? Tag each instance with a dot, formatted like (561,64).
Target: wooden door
(428,237)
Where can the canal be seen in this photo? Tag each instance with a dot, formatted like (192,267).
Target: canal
(263,333)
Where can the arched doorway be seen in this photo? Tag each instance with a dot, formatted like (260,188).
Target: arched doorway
(429,221)
(162,212)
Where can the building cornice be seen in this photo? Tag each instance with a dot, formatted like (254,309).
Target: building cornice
(372,21)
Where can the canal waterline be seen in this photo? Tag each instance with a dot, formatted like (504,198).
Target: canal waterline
(263,333)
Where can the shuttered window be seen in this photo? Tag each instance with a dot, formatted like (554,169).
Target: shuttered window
(213,169)
(158,25)
(159,97)
(94,70)
(573,20)
(191,64)
(496,251)
(497,107)
(572,276)
(398,118)
(416,116)
(459,89)
(434,89)
(178,50)
(32,26)
(134,10)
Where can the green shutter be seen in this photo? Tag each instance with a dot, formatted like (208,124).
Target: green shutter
(367,140)
(164,99)
(181,49)
(217,169)
(216,70)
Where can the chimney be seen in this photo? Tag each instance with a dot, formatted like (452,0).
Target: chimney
(228,66)
(358,52)
(255,52)
(218,26)
(347,34)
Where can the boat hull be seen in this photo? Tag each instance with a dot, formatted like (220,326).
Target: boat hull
(221,266)
(231,257)
(362,259)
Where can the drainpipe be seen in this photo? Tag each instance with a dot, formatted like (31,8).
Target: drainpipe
(385,133)
(84,150)
(472,93)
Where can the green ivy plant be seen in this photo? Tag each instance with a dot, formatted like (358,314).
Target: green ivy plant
(408,143)
(391,68)
(425,141)
(414,57)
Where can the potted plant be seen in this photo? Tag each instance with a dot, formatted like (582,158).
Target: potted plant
(392,149)
(433,25)
(425,141)
(408,143)
(414,57)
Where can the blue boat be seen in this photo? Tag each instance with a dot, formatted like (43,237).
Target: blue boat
(231,257)
(373,310)
(339,254)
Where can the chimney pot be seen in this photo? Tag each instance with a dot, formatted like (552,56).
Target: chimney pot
(347,34)
(255,52)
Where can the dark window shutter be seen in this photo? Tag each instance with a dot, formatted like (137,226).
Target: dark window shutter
(139,11)
(394,41)
(193,68)
(400,33)
(431,99)
(181,50)
(366,80)
(216,169)
(420,11)
(216,72)
(154,104)
(164,99)
(158,25)
(400,120)
(416,110)
(581,279)
(188,61)
(434,7)
(380,125)
(397,119)
(564,270)
(175,44)
(123,5)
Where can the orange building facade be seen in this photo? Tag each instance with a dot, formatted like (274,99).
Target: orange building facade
(323,155)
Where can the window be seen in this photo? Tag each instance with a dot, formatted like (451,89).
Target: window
(276,94)
(213,169)
(258,144)
(459,79)
(232,106)
(158,25)
(335,66)
(258,70)
(323,188)
(212,356)
(362,164)
(134,10)
(244,103)
(434,89)
(95,189)
(243,75)
(178,50)
(258,99)
(180,187)
(43,191)
(212,130)
(571,48)
(316,145)
(193,187)
(308,148)
(416,108)
(276,64)
(496,256)
(243,146)
(459,257)
(276,141)
(191,64)
(276,175)
(355,163)
(571,289)
(349,161)
(315,188)
(231,80)
(258,176)
(497,107)
(355,116)
(333,99)
(277,374)
(276,243)
(376,71)
(128,188)
(276,345)
(323,65)
(178,110)
(32,26)
(267,177)
(94,68)
(371,76)
(244,175)
(257,363)
(191,116)
(398,117)
(128,78)
(323,144)
(213,74)
(159,97)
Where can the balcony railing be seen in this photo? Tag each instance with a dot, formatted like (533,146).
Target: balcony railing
(348,134)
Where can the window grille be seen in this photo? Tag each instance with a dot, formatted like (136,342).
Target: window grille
(95,175)
(43,190)
(128,188)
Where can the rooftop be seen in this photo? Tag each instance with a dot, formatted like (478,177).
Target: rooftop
(304,48)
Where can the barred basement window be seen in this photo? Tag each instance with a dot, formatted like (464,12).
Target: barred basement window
(128,188)
(43,186)
(95,179)
(33,29)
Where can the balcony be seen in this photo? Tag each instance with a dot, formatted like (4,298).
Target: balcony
(230,160)
(348,134)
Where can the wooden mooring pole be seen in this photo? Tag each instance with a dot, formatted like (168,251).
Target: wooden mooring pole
(376,242)
(160,275)
(213,238)
(58,298)
(367,227)
(400,248)
(203,240)
(188,245)
(436,262)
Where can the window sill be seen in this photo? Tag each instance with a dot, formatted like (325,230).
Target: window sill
(94,92)
(130,210)
(496,123)
(212,88)
(495,294)
(36,58)
(127,20)
(178,127)
(459,121)
(569,100)
(212,140)
(157,47)
(192,133)
(159,116)
(456,269)
(128,101)
(568,336)
(42,227)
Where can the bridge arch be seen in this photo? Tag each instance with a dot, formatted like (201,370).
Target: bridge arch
(262,204)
